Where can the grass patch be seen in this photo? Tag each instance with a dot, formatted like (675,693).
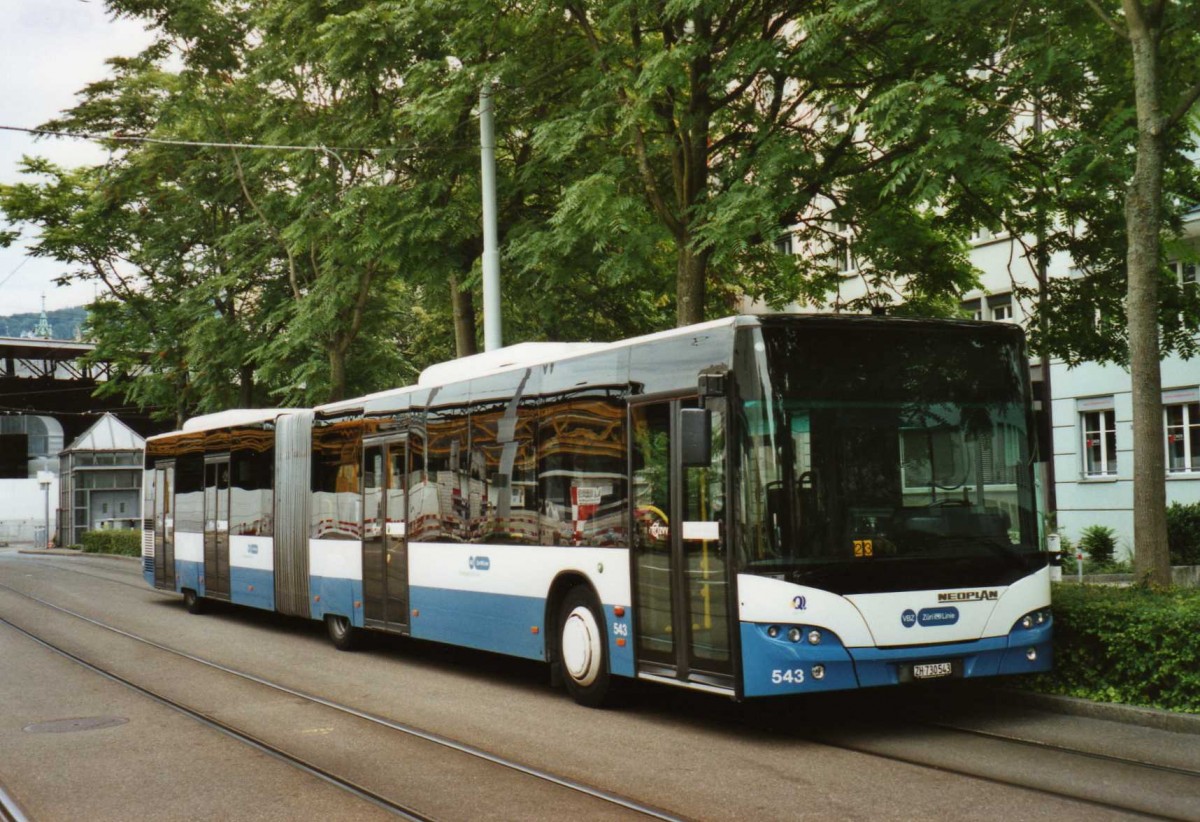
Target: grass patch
(126,543)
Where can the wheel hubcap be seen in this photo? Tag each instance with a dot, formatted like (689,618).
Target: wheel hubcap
(581,652)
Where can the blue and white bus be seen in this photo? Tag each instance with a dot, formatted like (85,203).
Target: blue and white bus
(753,506)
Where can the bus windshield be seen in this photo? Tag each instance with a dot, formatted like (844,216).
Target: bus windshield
(885,455)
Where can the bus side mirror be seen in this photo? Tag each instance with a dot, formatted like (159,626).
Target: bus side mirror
(695,437)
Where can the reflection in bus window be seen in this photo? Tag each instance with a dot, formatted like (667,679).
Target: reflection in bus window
(336,464)
(252,466)
(446,462)
(581,469)
(503,472)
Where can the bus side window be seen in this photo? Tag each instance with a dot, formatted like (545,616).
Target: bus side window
(446,460)
(581,470)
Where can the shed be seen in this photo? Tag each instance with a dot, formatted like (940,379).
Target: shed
(100,480)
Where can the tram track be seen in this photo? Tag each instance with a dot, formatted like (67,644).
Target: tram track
(1039,744)
(260,745)
(10,809)
(41,563)
(572,786)
(1080,794)
(925,744)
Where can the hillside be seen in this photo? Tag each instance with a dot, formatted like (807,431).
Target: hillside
(63,322)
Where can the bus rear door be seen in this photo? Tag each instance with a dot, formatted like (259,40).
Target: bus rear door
(164,525)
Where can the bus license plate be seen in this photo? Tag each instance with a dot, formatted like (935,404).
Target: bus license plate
(933,670)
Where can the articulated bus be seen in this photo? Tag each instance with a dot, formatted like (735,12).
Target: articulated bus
(753,506)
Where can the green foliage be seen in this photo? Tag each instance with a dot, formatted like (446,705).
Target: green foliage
(125,543)
(1128,645)
(1183,533)
(648,156)
(1099,541)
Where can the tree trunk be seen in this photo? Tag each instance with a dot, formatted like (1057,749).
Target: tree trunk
(246,386)
(464,319)
(337,373)
(1143,207)
(690,273)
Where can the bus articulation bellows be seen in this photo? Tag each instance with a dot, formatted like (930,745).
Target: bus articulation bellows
(753,506)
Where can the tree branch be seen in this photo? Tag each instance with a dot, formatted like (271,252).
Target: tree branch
(274,232)
(1183,107)
(1104,17)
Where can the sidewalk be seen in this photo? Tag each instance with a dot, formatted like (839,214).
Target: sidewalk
(67,552)
(1110,711)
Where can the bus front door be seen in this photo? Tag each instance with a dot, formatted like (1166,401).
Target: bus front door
(385,535)
(681,569)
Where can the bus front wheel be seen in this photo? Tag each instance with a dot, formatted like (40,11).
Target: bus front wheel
(583,648)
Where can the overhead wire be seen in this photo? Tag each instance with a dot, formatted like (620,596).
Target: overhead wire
(135,138)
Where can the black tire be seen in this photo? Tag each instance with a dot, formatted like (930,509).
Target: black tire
(193,601)
(343,635)
(583,648)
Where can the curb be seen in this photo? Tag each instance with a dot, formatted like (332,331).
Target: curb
(64,552)
(1110,711)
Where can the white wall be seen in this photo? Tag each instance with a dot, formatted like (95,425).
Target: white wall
(22,509)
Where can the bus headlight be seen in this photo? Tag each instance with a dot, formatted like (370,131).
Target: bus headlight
(1031,654)
(794,634)
(773,631)
(818,672)
(1033,619)
(814,637)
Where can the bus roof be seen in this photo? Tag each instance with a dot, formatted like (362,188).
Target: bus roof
(521,355)
(227,419)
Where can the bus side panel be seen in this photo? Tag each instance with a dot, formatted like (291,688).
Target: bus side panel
(251,572)
(189,561)
(620,641)
(493,597)
(335,579)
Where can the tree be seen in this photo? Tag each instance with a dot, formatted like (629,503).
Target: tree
(1075,146)
(1162,37)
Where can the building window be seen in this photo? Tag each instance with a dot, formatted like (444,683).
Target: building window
(1099,443)
(1184,272)
(1002,313)
(1183,437)
(784,245)
(842,250)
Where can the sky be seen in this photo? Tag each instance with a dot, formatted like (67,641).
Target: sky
(49,50)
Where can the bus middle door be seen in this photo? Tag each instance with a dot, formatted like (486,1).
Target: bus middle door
(385,535)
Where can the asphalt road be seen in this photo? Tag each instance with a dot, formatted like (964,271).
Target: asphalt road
(897,754)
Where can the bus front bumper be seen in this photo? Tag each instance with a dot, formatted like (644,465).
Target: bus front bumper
(792,663)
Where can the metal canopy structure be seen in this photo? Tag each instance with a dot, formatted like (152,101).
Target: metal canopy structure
(51,378)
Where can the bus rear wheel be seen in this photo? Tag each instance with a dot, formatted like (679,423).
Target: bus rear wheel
(345,637)
(193,601)
(583,648)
